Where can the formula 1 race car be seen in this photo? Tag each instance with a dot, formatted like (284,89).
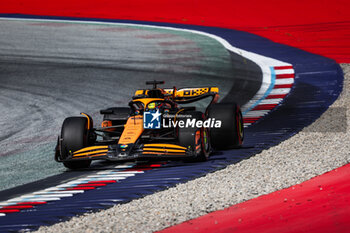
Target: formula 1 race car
(155,125)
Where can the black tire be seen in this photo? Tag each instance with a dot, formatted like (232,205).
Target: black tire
(231,132)
(74,135)
(187,138)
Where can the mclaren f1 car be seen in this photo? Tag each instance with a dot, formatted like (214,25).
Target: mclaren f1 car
(156,124)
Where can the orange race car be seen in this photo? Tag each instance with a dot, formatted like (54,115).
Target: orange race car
(158,123)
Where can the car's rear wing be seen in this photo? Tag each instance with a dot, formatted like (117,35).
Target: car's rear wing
(181,96)
(192,92)
(189,95)
(182,93)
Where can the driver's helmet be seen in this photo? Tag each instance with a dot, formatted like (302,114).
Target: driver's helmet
(154,105)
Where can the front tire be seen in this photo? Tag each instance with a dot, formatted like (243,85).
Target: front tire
(75,136)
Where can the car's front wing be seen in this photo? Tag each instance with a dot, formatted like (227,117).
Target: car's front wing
(114,153)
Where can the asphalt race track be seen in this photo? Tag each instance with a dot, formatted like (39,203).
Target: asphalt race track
(52,70)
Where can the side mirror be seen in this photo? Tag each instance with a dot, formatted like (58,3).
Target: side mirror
(106,111)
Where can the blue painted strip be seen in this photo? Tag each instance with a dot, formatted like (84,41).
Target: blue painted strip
(271,86)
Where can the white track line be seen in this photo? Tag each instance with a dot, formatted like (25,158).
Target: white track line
(271,101)
(119,172)
(284,71)
(280,91)
(20,199)
(48,195)
(58,192)
(7,203)
(257,113)
(284,81)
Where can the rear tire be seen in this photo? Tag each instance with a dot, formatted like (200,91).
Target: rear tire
(196,139)
(231,132)
(74,135)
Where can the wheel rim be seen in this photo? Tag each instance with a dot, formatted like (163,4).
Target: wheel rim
(205,140)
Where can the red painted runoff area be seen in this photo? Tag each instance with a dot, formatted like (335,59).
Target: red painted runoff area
(317,26)
(319,205)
